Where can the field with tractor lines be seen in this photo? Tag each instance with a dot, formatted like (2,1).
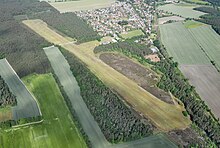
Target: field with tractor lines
(196,48)
(184,10)
(209,40)
(70,85)
(165,116)
(57,130)
(206,80)
(72,6)
(181,45)
(27,105)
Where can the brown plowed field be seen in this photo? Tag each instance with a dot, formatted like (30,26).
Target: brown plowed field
(206,80)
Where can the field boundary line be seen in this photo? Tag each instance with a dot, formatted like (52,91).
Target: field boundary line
(27,124)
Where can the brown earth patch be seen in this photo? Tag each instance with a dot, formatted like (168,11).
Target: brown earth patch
(144,77)
(186,137)
(152,57)
(5,114)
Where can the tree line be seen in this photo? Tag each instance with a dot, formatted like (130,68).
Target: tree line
(212,18)
(117,122)
(6,96)
(69,24)
(21,46)
(174,82)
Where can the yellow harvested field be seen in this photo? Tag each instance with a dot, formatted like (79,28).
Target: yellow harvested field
(165,116)
(72,6)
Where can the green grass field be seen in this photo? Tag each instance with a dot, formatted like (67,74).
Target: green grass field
(209,40)
(131,34)
(184,10)
(192,24)
(57,129)
(181,45)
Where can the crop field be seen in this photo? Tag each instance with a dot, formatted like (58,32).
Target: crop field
(194,46)
(206,80)
(165,116)
(202,2)
(73,6)
(170,18)
(57,129)
(131,34)
(181,45)
(69,83)
(192,24)
(182,10)
(209,40)
(26,103)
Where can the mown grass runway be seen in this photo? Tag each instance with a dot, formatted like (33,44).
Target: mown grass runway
(57,129)
(165,116)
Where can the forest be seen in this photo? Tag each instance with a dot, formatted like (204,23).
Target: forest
(128,46)
(173,81)
(21,46)
(117,121)
(69,24)
(6,97)
(212,18)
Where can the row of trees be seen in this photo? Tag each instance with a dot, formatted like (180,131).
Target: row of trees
(126,46)
(174,82)
(117,121)
(6,97)
(21,46)
(212,18)
(69,24)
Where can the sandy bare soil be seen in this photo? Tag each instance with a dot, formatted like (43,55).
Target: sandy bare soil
(206,79)
(144,77)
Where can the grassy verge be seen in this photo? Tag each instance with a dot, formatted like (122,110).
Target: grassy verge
(58,128)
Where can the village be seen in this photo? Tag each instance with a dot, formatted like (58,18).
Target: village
(121,18)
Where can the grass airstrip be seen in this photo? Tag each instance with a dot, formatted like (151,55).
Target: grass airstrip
(57,129)
(165,116)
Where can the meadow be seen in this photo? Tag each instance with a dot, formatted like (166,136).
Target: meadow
(131,34)
(26,104)
(165,116)
(181,45)
(62,70)
(209,40)
(195,46)
(57,130)
(182,10)
(72,6)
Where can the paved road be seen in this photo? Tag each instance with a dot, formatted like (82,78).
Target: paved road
(90,126)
